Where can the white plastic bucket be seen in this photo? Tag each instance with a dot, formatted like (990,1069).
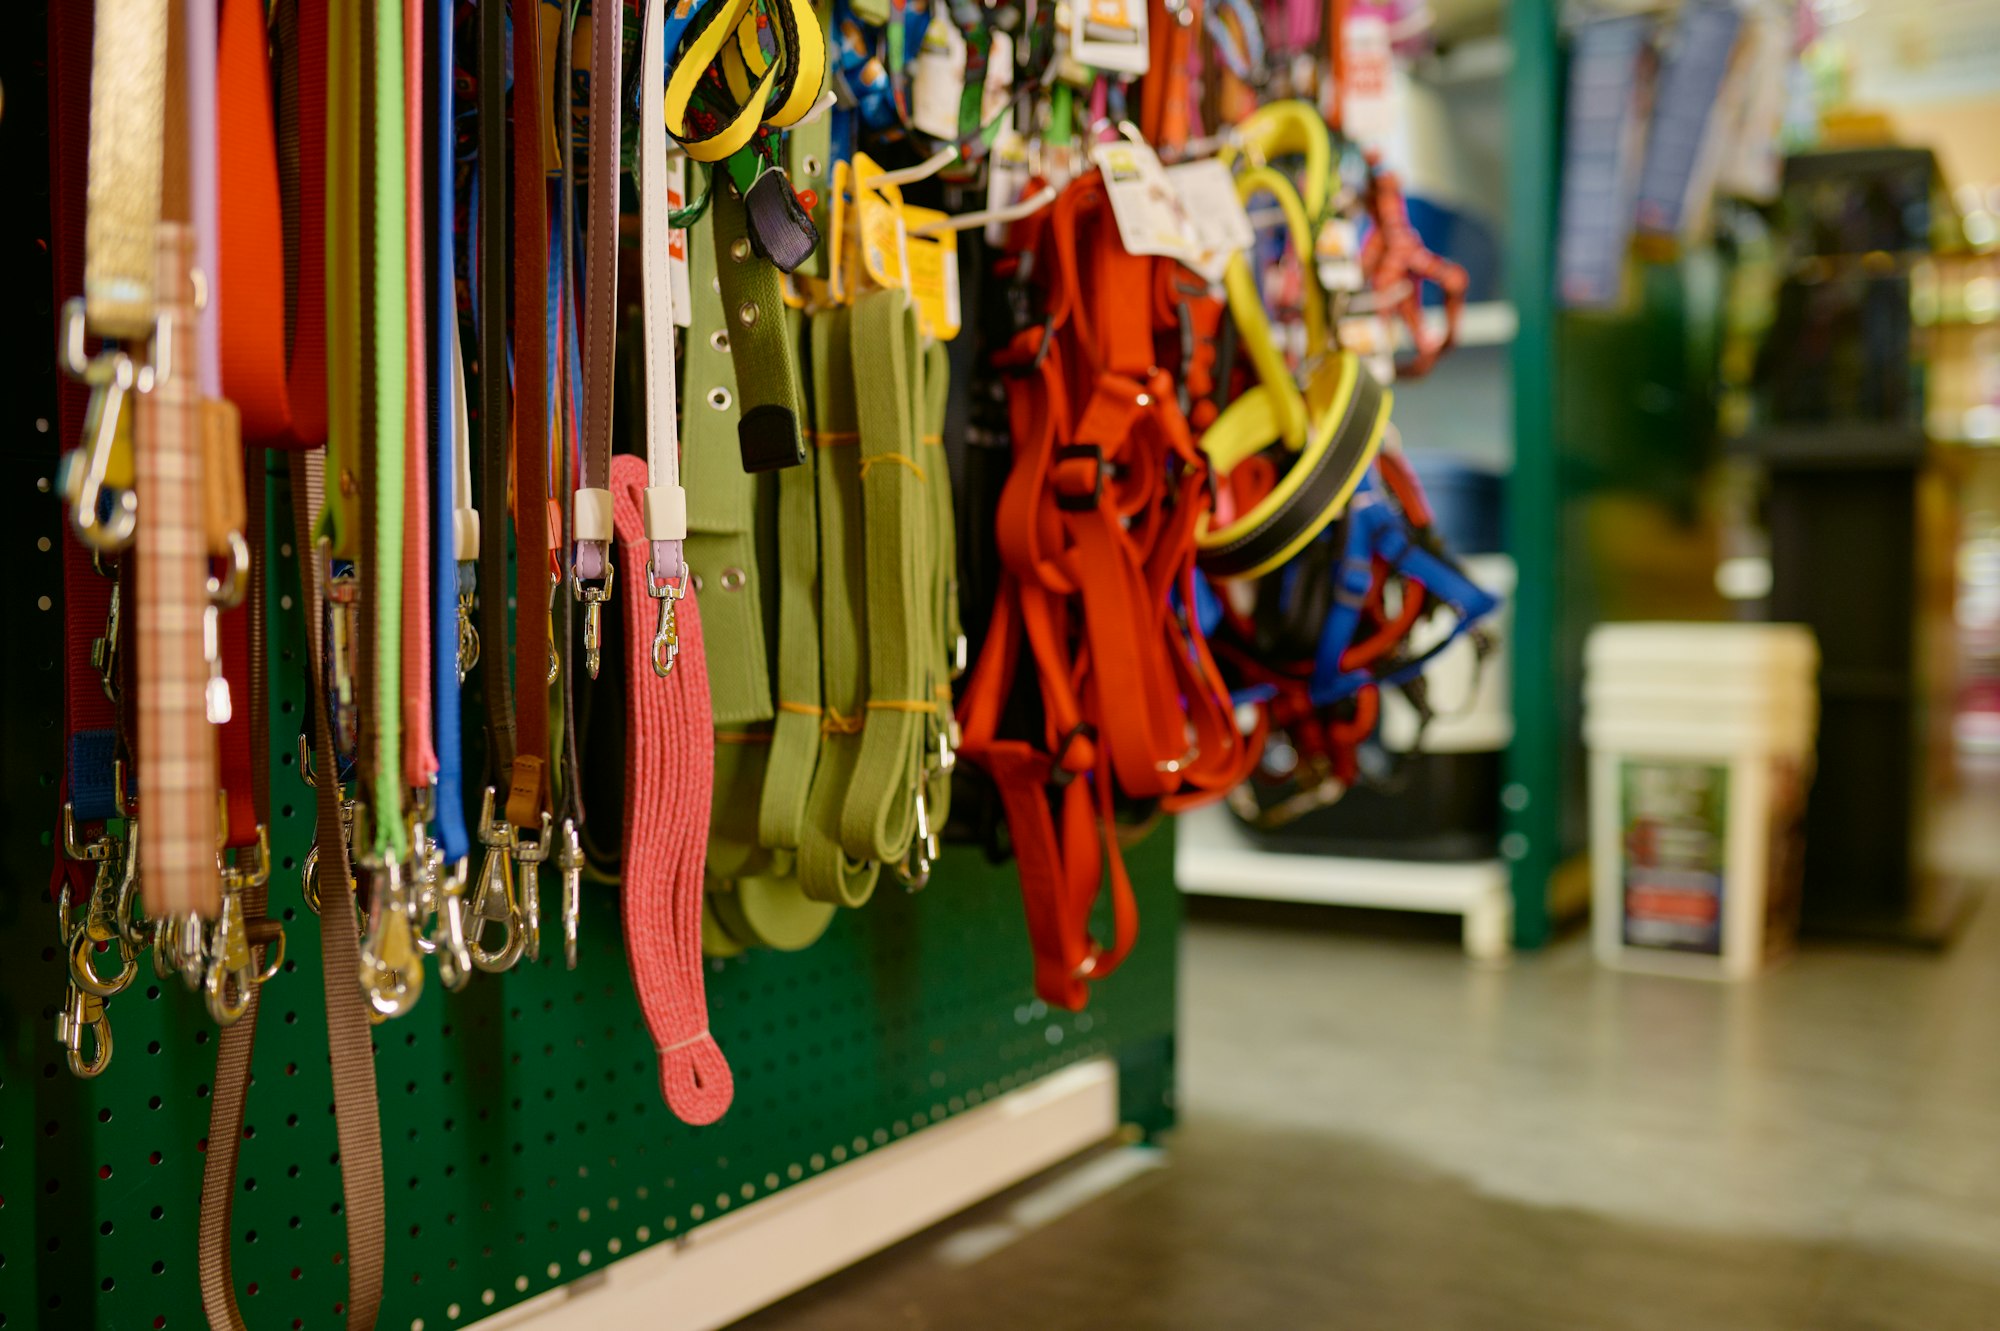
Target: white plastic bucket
(1701,741)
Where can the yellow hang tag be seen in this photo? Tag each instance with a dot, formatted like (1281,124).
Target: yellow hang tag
(881,224)
(840,246)
(932,272)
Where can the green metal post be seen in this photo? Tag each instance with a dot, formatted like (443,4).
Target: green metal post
(1532,796)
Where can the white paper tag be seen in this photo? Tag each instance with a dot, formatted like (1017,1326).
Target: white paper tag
(1006,177)
(1337,253)
(939,80)
(677,243)
(1150,217)
(1215,214)
(1366,112)
(999,86)
(1110,34)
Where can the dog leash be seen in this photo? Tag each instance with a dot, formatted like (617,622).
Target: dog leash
(669,761)
(591,569)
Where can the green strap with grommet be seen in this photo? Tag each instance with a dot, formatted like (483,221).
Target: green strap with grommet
(768,430)
(880,815)
(826,871)
(721,546)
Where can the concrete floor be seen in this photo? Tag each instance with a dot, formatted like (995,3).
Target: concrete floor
(1377,1135)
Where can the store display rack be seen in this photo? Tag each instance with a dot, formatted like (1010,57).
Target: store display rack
(525,1140)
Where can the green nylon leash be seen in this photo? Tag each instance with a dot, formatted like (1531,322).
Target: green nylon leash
(795,737)
(391,376)
(881,813)
(827,872)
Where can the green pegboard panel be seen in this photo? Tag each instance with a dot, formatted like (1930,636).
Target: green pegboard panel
(526,1143)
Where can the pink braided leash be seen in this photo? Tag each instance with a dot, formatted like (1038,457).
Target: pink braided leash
(669,782)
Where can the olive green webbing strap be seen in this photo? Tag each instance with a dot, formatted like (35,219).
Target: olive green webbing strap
(795,738)
(879,817)
(722,509)
(826,871)
(946,635)
(722,506)
(769,424)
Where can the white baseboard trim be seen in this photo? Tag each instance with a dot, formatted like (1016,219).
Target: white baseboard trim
(749,1259)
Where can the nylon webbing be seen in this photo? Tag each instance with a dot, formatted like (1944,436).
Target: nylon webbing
(827,871)
(879,817)
(494,574)
(669,761)
(349,1043)
(593,528)
(767,379)
(527,792)
(795,733)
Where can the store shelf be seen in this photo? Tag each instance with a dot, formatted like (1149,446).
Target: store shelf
(1213,857)
(755,1256)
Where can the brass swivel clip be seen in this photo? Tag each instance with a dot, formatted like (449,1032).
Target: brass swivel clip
(454,954)
(468,634)
(232,972)
(392,970)
(83,1014)
(100,924)
(104,513)
(493,899)
(666,636)
(593,598)
(915,870)
(529,853)
(569,859)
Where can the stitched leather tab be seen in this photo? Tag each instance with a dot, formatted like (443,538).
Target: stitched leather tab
(524,791)
(769,438)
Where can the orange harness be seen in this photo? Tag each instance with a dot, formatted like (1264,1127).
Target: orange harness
(1096,534)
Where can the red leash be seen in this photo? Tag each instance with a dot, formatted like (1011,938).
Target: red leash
(669,784)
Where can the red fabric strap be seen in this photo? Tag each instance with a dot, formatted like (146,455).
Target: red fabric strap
(669,784)
(1096,530)
(282,401)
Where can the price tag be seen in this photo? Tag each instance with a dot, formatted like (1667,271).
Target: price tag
(1006,176)
(881,223)
(932,272)
(1150,217)
(1367,114)
(1110,34)
(677,243)
(1216,217)
(1337,254)
(939,80)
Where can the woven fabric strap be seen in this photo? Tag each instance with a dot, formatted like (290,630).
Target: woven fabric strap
(669,754)
(177,747)
(767,375)
(128,104)
(527,793)
(388,380)
(600,311)
(420,762)
(795,734)
(1096,527)
(447,417)
(879,817)
(666,502)
(827,872)
(495,578)
(349,1042)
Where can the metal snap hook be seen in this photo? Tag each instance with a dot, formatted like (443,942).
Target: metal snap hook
(493,899)
(84,1014)
(392,971)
